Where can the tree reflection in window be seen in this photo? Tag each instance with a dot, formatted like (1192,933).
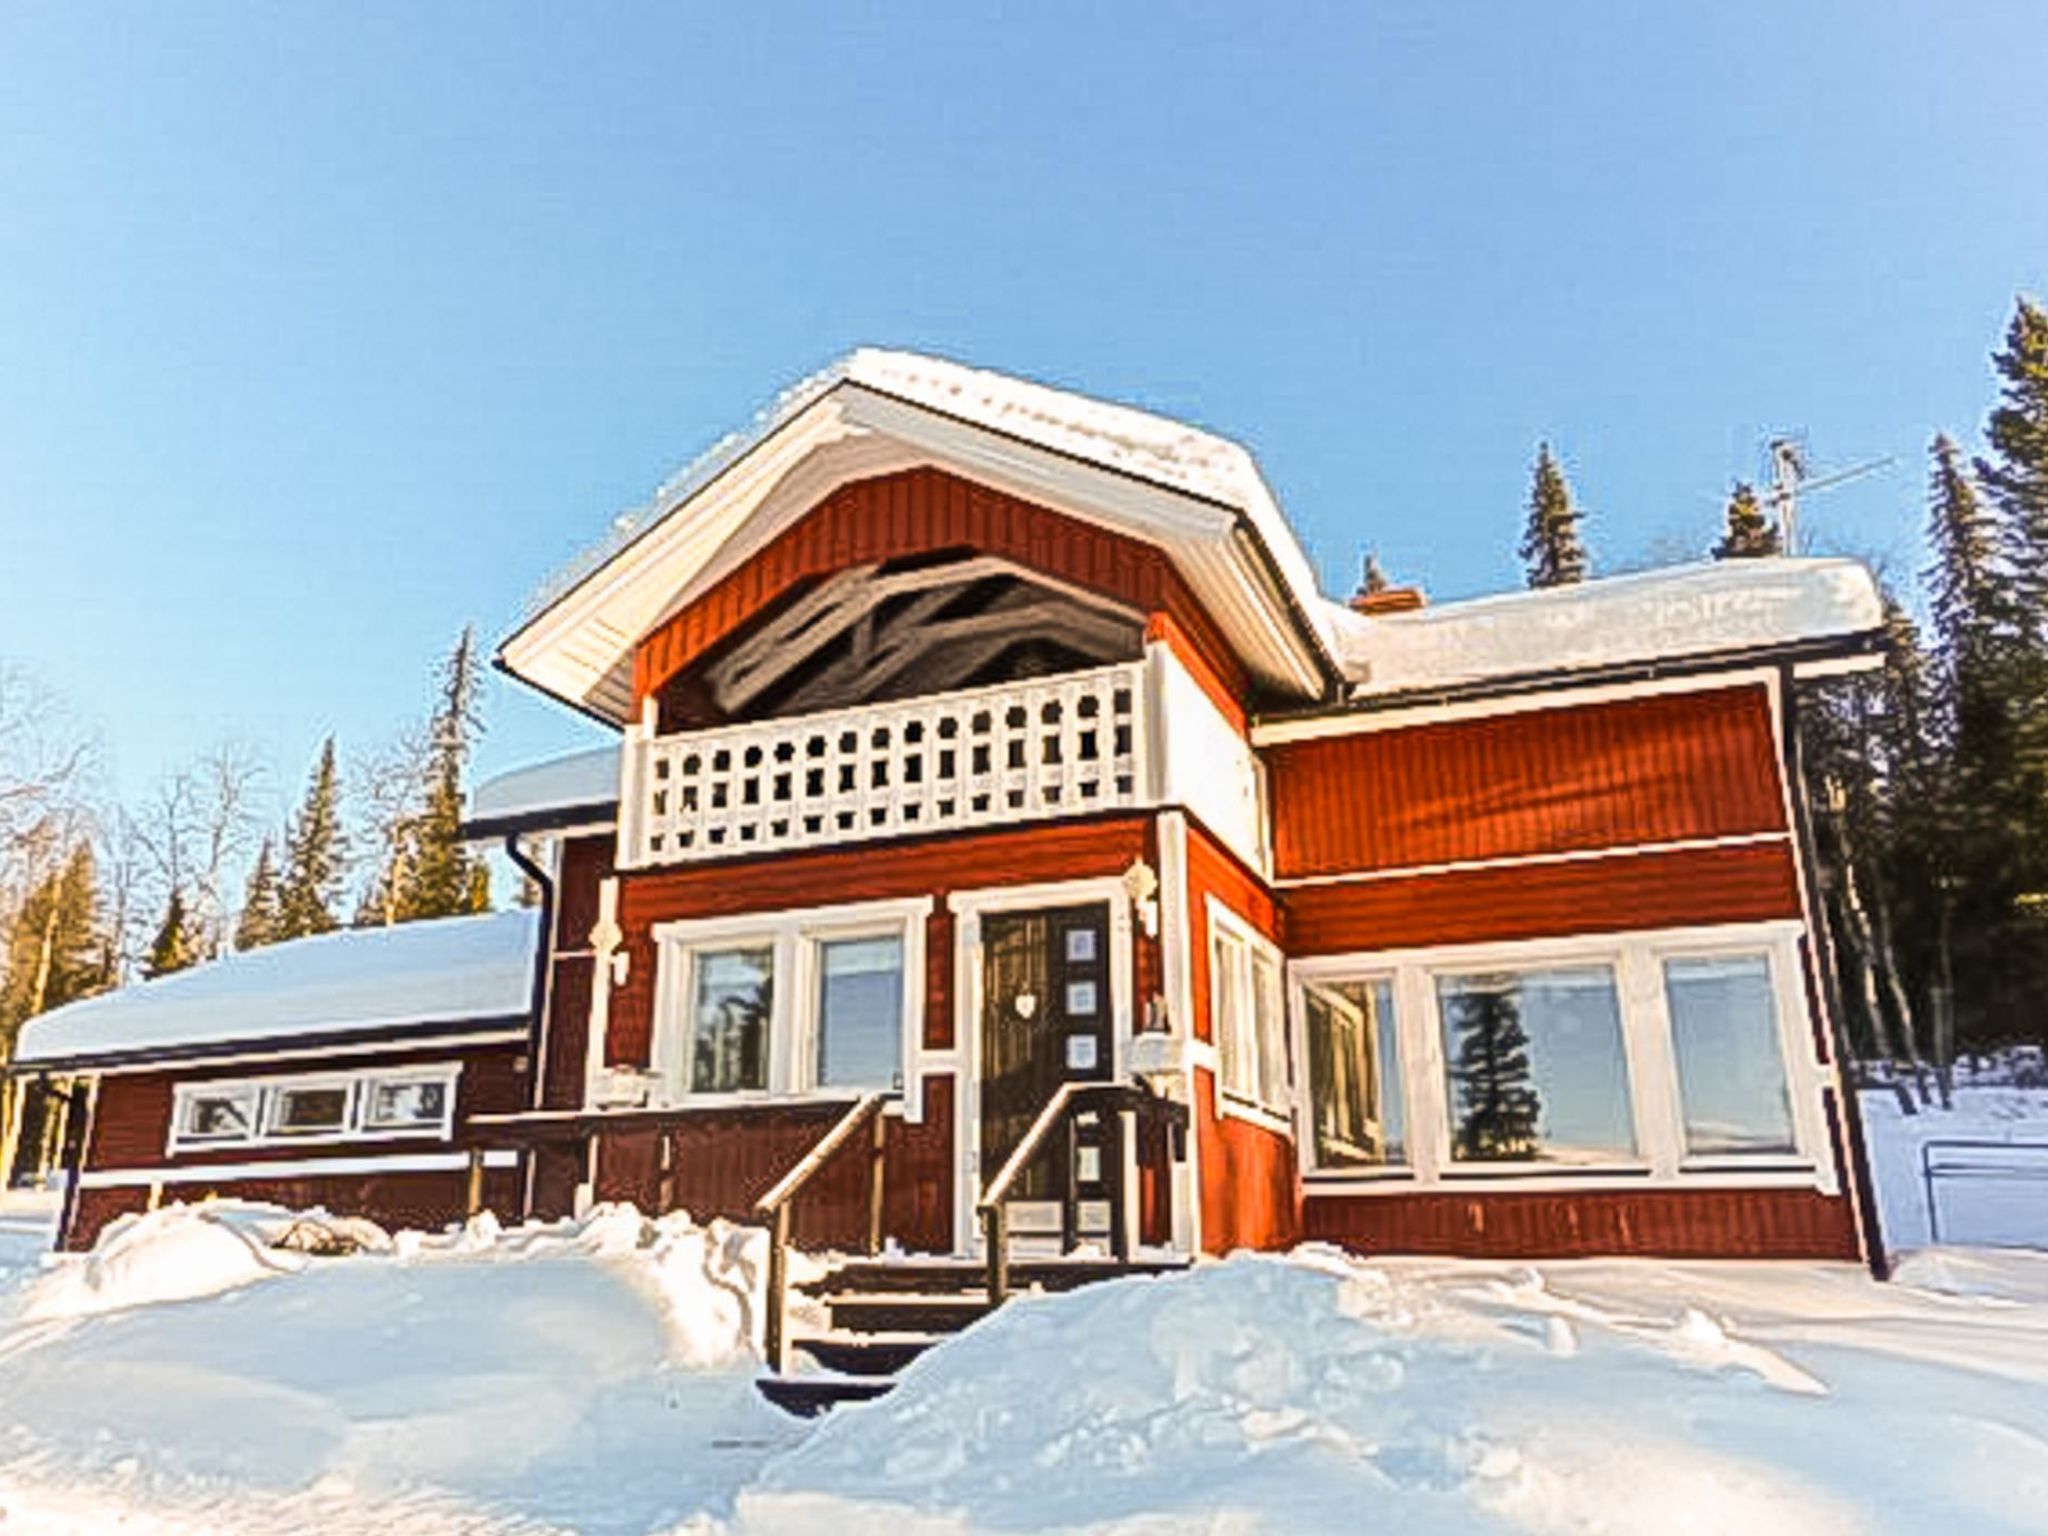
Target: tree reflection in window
(1498,1107)
(1537,1069)
(734,991)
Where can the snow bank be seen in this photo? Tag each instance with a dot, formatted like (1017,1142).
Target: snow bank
(1315,1393)
(592,1375)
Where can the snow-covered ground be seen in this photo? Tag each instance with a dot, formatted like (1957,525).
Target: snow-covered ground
(2002,1201)
(597,1379)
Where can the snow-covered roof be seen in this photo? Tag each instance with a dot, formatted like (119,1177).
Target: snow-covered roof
(1722,607)
(877,411)
(581,782)
(448,971)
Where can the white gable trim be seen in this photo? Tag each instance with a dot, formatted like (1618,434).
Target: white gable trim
(580,647)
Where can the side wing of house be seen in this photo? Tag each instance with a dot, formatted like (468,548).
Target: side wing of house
(1555,989)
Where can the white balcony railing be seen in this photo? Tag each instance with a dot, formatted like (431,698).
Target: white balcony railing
(982,757)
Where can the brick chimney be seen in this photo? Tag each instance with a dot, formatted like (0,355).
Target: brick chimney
(1376,595)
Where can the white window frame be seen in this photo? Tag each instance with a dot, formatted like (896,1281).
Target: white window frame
(1637,960)
(366,1092)
(794,937)
(265,1093)
(182,1097)
(1272,1105)
(1299,986)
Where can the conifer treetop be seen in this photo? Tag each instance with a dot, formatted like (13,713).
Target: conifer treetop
(1551,547)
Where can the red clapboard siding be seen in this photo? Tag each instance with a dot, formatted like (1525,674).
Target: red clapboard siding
(1749,883)
(720,1163)
(875,872)
(924,511)
(1249,1189)
(132,1120)
(1688,1224)
(1649,770)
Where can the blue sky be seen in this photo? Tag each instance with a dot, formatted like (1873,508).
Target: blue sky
(325,330)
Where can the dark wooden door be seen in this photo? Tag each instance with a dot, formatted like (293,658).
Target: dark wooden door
(1045,1021)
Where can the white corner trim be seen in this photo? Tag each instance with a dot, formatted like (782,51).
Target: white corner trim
(295,1168)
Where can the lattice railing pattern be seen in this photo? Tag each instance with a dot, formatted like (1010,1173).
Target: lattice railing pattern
(1055,746)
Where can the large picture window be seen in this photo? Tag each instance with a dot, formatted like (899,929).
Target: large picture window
(1536,1067)
(1731,1070)
(1666,1055)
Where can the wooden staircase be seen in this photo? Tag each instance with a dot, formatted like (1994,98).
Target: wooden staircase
(883,1314)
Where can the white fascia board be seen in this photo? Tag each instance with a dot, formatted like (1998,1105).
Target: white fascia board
(578,648)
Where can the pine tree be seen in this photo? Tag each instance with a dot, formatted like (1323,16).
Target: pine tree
(57,949)
(1498,1107)
(1749,532)
(258,923)
(175,947)
(315,857)
(2015,476)
(1551,547)
(444,878)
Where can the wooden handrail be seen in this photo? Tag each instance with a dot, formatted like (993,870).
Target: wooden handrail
(775,1205)
(1128,1098)
(785,1188)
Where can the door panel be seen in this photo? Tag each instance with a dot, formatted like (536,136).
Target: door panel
(1045,1021)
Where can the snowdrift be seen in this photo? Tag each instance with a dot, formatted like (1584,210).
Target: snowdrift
(187,1376)
(1318,1394)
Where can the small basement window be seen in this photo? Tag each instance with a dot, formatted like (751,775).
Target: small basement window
(413,1102)
(310,1108)
(215,1113)
(329,1106)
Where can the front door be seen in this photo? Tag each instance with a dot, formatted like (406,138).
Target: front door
(1045,1021)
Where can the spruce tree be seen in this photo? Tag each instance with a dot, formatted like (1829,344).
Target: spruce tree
(1749,533)
(315,857)
(1551,547)
(175,947)
(2015,475)
(443,878)
(257,925)
(57,949)
(1498,1106)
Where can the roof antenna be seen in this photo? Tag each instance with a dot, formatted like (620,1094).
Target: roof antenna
(1789,476)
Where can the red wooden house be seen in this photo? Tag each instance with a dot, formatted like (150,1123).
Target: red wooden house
(1003,829)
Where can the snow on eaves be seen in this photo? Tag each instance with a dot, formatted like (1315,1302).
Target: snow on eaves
(587,780)
(447,971)
(1116,437)
(1693,610)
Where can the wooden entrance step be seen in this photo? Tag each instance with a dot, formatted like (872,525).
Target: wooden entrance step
(884,1313)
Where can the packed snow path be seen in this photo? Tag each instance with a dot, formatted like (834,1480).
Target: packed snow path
(598,1379)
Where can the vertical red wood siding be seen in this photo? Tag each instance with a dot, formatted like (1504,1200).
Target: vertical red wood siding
(720,1163)
(1744,883)
(925,511)
(1666,1223)
(1665,768)
(1250,1191)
